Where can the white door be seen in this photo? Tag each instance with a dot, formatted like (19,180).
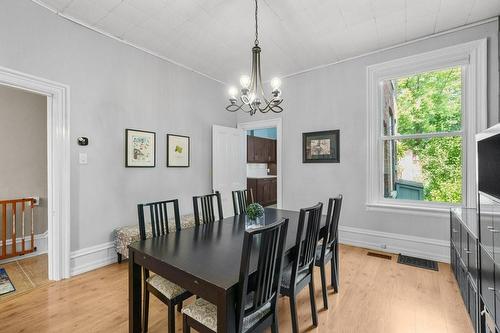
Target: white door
(229,158)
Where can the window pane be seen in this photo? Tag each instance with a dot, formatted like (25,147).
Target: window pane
(423,103)
(424,169)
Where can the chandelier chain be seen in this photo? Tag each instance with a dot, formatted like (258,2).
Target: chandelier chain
(256,24)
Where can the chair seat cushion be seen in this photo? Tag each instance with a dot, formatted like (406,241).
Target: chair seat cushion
(318,251)
(205,313)
(286,276)
(167,288)
(124,236)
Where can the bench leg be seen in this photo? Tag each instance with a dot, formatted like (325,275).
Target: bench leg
(119,255)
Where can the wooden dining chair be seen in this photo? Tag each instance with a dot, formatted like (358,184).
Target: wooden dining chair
(258,292)
(241,199)
(168,292)
(328,249)
(204,204)
(300,271)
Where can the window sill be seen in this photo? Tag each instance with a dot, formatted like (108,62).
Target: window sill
(408,208)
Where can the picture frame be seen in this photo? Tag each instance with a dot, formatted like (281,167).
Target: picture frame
(321,147)
(140,149)
(178,151)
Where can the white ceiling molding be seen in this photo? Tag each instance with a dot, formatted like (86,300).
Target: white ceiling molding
(493,19)
(213,37)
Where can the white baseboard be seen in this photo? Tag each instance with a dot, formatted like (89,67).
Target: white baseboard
(92,257)
(97,256)
(420,247)
(41,243)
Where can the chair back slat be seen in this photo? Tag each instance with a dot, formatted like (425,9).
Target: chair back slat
(204,204)
(332,222)
(334,225)
(271,242)
(305,245)
(241,200)
(158,217)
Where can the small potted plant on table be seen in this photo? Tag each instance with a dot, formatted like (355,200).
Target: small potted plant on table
(255,215)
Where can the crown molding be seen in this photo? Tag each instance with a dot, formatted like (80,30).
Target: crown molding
(445,32)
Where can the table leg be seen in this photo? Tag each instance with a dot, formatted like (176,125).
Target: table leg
(226,322)
(134,294)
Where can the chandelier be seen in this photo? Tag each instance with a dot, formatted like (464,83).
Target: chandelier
(252,97)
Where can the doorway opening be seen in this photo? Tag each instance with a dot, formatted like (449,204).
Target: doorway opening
(23,191)
(263,167)
(48,205)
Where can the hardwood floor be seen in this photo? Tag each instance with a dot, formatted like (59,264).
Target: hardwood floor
(376,295)
(26,274)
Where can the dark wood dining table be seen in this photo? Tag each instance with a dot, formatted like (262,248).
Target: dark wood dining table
(204,260)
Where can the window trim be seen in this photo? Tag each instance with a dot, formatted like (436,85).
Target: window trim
(472,56)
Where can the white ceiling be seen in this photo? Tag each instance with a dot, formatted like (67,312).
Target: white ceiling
(215,37)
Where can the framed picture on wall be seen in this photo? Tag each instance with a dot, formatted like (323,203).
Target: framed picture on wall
(321,147)
(178,151)
(140,149)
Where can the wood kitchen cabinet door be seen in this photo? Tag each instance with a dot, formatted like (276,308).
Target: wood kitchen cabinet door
(272,151)
(250,149)
(261,192)
(264,190)
(274,191)
(260,150)
(252,184)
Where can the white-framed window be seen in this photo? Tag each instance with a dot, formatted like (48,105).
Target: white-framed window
(423,114)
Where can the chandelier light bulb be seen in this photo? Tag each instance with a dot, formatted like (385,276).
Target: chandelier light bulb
(245,81)
(251,97)
(276,83)
(233,91)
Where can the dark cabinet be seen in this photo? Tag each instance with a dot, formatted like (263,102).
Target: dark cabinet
(272,151)
(486,213)
(250,149)
(485,270)
(473,300)
(464,259)
(455,230)
(487,280)
(264,190)
(261,150)
(472,258)
(464,246)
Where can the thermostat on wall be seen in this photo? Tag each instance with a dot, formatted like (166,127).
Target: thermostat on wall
(83,141)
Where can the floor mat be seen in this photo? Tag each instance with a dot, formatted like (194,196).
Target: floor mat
(6,285)
(418,262)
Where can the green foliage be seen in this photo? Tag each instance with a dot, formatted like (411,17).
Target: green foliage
(255,211)
(426,103)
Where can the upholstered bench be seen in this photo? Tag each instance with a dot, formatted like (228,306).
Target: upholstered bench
(126,235)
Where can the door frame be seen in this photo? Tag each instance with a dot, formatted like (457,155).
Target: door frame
(58,164)
(278,124)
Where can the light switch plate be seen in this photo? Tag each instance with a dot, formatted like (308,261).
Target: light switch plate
(82,158)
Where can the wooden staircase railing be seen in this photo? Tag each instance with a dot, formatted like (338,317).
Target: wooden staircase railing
(4,208)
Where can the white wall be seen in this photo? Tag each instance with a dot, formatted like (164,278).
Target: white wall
(113,87)
(334,97)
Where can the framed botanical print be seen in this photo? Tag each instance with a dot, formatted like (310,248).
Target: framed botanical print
(178,151)
(140,149)
(321,147)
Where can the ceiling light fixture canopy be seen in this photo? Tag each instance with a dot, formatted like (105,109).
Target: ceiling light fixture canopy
(252,97)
